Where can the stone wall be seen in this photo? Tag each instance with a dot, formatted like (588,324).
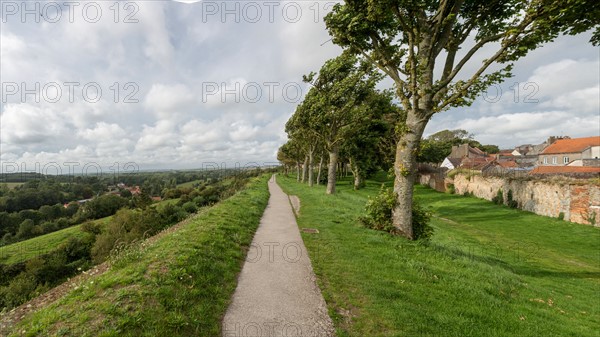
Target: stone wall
(577,203)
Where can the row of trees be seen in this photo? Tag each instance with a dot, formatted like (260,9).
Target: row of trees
(416,44)
(343,119)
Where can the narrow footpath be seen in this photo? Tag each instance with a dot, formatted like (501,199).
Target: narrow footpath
(277,294)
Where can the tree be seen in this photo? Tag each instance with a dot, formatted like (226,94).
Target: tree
(407,40)
(336,99)
(291,154)
(362,148)
(299,127)
(438,146)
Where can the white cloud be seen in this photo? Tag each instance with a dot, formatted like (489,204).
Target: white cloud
(172,52)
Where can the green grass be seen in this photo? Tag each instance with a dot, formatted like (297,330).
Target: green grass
(179,286)
(488,271)
(28,249)
(191,183)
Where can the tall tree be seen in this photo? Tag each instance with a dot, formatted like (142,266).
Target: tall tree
(335,100)
(299,128)
(407,39)
(362,147)
(290,153)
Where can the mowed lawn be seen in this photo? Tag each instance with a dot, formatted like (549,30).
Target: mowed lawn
(488,271)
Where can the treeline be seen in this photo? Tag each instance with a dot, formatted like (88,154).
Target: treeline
(343,120)
(22,281)
(37,207)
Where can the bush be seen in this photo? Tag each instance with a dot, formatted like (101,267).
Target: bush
(379,215)
(190,207)
(91,227)
(450,189)
(499,198)
(561,216)
(509,200)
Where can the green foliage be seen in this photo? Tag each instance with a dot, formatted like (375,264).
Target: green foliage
(190,207)
(561,216)
(450,189)
(509,200)
(379,215)
(91,227)
(102,206)
(499,198)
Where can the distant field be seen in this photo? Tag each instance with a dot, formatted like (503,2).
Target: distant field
(12,185)
(28,249)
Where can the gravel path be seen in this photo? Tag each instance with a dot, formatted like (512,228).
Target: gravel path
(277,294)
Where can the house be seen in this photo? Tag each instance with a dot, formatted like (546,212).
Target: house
(467,157)
(451,163)
(464,150)
(476,163)
(572,152)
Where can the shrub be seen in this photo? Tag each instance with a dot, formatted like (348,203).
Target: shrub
(21,289)
(499,198)
(379,215)
(509,200)
(561,216)
(91,227)
(450,189)
(190,207)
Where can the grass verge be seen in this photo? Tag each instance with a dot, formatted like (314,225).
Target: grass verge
(488,271)
(179,286)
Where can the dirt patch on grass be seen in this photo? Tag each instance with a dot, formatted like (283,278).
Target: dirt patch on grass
(295,201)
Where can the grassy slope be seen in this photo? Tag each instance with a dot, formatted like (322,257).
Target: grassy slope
(180,285)
(28,249)
(190,183)
(489,270)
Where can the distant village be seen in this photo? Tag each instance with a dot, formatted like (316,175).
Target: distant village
(119,189)
(576,157)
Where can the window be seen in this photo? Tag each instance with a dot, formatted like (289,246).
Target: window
(565,160)
(555,160)
(545,160)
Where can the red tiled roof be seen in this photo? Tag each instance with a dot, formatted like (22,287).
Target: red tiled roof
(507,163)
(565,169)
(571,145)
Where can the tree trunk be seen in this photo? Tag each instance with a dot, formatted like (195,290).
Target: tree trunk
(405,171)
(304,169)
(298,171)
(332,171)
(319,172)
(355,173)
(310,168)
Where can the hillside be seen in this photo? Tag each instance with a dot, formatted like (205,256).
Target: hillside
(28,249)
(180,284)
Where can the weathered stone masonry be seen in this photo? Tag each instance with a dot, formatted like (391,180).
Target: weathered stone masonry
(577,203)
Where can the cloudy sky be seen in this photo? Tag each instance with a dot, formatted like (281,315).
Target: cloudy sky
(165,84)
